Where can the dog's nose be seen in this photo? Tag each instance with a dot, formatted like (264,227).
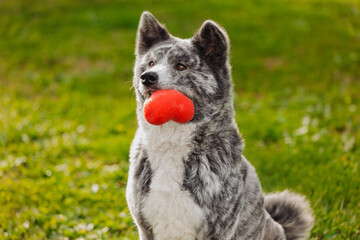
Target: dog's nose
(149,78)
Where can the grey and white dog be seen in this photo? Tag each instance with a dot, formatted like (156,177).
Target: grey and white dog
(190,181)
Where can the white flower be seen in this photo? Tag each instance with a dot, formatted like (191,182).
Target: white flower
(95,188)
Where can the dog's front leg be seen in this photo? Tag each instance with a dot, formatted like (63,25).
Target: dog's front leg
(145,234)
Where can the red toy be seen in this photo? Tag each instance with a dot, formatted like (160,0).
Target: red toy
(166,105)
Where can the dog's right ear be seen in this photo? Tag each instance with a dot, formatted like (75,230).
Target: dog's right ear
(150,32)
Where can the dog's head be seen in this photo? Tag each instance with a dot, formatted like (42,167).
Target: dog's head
(197,67)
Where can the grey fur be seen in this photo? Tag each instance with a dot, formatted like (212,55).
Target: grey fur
(143,174)
(292,211)
(216,174)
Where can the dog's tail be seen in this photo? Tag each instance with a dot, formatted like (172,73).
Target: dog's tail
(292,211)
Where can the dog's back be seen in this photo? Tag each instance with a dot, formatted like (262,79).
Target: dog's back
(191,181)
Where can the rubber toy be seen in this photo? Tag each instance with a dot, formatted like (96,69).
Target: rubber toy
(166,105)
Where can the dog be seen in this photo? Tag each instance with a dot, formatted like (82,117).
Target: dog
(191,181)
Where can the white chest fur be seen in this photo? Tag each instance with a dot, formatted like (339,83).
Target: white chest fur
(170,210)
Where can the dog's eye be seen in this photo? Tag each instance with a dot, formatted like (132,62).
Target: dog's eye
(151,63)
(180,67)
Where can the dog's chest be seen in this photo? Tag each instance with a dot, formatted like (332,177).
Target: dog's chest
(168,208)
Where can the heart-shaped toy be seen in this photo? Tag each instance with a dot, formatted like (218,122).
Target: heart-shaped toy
(165,105)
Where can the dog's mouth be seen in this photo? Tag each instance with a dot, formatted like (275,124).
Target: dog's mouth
(147,94)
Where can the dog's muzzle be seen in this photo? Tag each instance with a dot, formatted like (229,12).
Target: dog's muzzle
(149,78)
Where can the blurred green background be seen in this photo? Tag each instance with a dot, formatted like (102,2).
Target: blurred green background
(67,113)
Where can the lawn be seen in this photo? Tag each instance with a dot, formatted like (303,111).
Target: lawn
(67,110)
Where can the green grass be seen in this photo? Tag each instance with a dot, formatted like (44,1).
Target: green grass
(67,113)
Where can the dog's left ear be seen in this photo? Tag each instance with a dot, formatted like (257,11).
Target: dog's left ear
(150,32)
(212,42)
